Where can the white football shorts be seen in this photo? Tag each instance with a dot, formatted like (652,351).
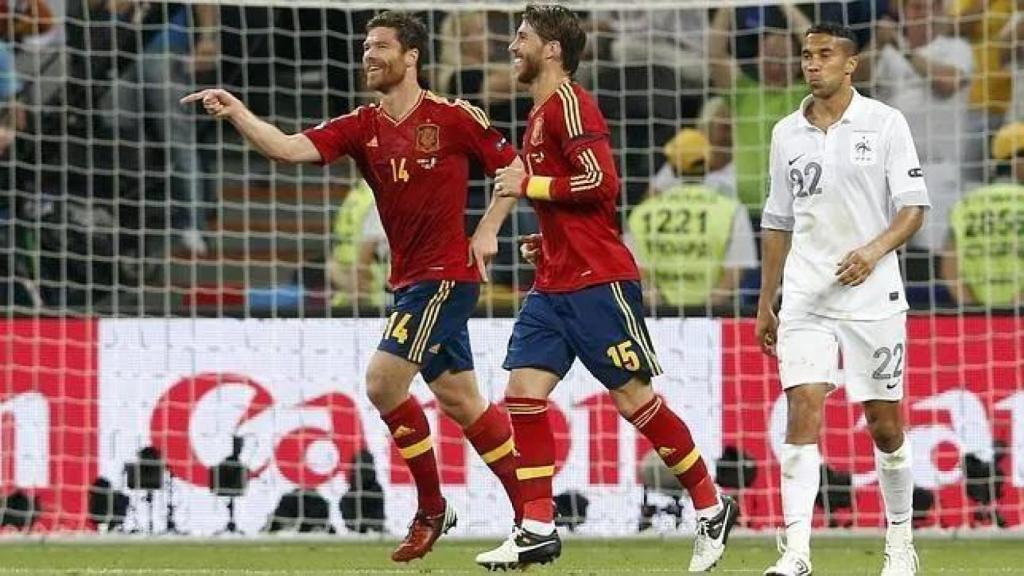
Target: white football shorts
(872,353)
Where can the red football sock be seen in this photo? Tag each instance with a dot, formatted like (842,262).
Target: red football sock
(672,440)
(535,463)
(491,436)
(411,433)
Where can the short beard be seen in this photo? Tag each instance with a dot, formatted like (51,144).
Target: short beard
(387,80)
(529,72)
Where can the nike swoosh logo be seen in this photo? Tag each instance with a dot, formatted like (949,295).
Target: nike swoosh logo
(534,546)
(795,159)
(890,386)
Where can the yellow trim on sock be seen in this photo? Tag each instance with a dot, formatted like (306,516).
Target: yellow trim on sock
(499,452)
(686,463)
(421,447)
(537,472)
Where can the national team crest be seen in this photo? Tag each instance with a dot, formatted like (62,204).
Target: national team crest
(864,148)
(537,136)
(428,138)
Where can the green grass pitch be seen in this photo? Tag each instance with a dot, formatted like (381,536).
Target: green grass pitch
(580,557)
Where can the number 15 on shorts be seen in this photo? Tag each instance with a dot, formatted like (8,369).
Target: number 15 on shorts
(623,356)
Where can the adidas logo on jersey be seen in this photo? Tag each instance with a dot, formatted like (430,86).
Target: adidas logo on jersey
(665,452)
(435,348)
(372,143)
(402,432)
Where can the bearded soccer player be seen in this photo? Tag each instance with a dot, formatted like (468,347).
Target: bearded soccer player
(414,150)
(586,302)
(846,192)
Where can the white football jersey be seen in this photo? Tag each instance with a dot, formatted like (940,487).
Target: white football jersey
(836,191)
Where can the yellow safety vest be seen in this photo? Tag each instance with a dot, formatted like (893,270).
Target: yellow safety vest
(681,237)
(348,228)
(988,227)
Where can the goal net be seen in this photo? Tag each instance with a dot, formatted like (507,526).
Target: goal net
(187,325)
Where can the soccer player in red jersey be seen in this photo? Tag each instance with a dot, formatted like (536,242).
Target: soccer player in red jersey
(586,302)
(414,150)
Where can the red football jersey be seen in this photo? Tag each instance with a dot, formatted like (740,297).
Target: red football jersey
(568,154)
(418,168)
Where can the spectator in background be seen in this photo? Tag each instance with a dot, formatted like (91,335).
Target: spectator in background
(719,171)
(20,19)
(756,103)
(145,99)
(673,38)
(358,265)
(12,112)
(981,22)
(473,64)
(1012,35)
(691,242)
(859,15)
(984,259)
(921,69)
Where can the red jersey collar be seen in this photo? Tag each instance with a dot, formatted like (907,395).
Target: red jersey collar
(407,114)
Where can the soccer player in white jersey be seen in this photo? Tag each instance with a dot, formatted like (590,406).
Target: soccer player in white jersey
(846,191)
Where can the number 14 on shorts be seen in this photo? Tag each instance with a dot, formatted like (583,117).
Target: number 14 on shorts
(398,326)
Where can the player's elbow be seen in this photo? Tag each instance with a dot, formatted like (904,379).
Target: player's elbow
(593,186)
(293,149)
(915,218)
(609,188)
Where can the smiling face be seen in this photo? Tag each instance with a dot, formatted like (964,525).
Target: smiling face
(827,63)
(385,63)
(527,50)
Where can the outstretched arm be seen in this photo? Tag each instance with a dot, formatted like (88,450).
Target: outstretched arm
(267,138)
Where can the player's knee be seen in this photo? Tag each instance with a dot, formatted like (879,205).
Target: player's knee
(886,432)
(633,396)
(462,408)
(803,416)
(525,383)
(381,390)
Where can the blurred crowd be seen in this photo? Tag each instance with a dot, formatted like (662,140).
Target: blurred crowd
(690,94)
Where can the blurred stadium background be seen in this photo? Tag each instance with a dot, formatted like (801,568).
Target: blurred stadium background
(186,324)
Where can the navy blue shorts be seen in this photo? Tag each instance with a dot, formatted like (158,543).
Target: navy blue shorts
(427,325)
(602,325)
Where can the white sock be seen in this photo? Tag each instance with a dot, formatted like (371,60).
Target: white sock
(541,528)
(896,478)
(801,481)
(711,511)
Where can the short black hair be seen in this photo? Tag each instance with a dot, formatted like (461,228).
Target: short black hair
(411,32)
(557,23)
(836,30)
